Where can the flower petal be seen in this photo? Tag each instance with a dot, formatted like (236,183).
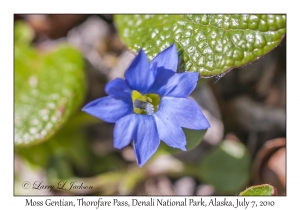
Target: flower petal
(125,130)
(183,111)
(178,85)
(167,59)
(181,85)
(170,132)
(109,108)
(138,75)
(147,140)
(118,87)
(160,84)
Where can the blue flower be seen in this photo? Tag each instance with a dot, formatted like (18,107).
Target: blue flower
(150,105)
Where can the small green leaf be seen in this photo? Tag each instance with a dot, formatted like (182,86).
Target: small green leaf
(259,190)
(193,139)
(209,44)
(49,87)
(23,33)
(226,167)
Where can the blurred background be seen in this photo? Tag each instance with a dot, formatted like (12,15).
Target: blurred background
(246,108)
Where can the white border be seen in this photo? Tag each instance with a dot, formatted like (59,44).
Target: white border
(8,8)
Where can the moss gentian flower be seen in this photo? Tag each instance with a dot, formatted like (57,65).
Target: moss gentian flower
(150,105)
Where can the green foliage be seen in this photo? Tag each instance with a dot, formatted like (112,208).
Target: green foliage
(209,44)
(193,139)
(49,87)
(259,190)
(69,142)
(226,167)
(67,151)
(23,34)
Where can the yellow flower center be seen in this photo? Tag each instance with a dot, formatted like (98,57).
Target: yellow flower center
(145,104)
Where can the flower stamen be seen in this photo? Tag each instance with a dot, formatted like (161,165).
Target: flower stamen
(145,104)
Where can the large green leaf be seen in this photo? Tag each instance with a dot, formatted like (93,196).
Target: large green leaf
(226,167)
(49,86)
(69,150)
(70,141)
(209,44)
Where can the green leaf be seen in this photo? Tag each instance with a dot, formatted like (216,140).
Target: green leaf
(70,142)
(226,167)
(259,190)
(23,33)
(49,87)
(209,44)
(193,139)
